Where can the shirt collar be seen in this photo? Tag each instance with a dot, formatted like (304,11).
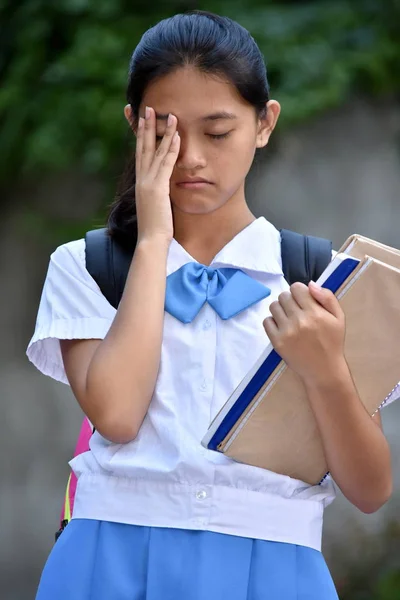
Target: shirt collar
(256,248)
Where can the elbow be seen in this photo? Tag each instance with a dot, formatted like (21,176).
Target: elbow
(116,430)
(117,422)
(373,504)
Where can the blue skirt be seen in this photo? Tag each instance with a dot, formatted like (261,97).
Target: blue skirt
(98,560)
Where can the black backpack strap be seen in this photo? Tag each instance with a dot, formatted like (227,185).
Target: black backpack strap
(304,257)
(108,263)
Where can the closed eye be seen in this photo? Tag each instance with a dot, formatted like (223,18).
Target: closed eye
(213,136)
(219,136)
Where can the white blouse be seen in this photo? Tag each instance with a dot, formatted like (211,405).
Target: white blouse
(165,478)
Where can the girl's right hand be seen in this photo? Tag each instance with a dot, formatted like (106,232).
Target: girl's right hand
(154,168)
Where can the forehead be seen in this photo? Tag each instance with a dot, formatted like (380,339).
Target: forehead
(190,95)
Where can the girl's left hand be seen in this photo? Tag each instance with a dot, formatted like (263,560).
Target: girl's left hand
(307,329)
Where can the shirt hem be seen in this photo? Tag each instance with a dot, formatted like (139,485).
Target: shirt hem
(216,508)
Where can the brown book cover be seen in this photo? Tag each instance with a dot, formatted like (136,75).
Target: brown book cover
(359,246)
(278,430)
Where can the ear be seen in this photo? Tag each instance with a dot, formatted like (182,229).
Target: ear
(129,117)
(267,122)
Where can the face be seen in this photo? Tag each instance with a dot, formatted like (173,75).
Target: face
(219,134)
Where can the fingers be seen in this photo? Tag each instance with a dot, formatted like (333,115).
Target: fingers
(301,294)
(271,329)
(326,299)
(148,158)
(278,314)
(139,144)
(168,162)
(149,139)
(288,304)
(291,303)
(293,306)
(166,153)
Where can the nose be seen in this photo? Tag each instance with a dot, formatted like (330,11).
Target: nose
(191,156)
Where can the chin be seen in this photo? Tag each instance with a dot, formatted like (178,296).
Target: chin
(196,206)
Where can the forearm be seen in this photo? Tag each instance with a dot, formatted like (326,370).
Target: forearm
(356,449)
(123,371)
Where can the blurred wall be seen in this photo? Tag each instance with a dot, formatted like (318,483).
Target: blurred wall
(334,176)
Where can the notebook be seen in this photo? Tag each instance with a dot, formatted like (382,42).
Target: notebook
(268,422)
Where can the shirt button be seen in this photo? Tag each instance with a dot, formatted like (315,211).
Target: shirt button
(201,495)
(206,325)
(203,386)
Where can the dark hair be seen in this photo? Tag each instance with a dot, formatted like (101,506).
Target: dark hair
(211,43)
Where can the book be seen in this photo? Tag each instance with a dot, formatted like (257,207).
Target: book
(359,246)
(268,422)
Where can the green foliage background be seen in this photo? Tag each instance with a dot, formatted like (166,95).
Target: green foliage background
(63,68)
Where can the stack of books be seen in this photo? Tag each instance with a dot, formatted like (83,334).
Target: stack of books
(268,421)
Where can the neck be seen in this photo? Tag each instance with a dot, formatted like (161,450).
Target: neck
(204,235)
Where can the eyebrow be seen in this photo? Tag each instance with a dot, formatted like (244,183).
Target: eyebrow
(213,117)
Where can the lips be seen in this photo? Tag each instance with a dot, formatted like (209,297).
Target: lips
(192,180)
(193,185)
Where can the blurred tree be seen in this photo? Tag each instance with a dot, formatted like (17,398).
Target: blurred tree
(63,68)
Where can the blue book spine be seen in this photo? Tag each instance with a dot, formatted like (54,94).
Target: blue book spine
(333,283)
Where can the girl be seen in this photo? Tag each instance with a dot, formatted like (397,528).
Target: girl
(156,515)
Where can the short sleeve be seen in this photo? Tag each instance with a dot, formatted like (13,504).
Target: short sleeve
(71,307)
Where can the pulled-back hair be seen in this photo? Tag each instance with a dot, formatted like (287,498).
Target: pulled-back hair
(211,43)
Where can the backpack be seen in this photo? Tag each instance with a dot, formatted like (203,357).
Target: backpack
(304,258)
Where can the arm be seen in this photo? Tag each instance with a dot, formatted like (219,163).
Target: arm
(307,329)
(355,447)
(114,379)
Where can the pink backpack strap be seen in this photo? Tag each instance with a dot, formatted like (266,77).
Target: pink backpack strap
(82,445)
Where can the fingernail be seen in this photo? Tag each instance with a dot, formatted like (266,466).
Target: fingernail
(315,285)
(147,112)
(141,122)
(170,119)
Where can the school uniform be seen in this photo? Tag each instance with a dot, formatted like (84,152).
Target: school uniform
(162,517)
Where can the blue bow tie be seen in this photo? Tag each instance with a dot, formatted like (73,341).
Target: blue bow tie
(228,291)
